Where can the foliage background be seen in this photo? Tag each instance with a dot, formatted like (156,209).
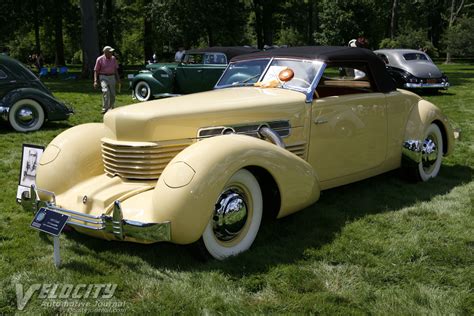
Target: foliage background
(139,28)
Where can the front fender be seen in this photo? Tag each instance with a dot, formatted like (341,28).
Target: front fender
(421,116)
(192,182)
(160,81)
(72,157)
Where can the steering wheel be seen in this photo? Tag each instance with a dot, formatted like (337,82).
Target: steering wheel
(303,83)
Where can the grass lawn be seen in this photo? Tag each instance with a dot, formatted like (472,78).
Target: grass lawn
(379,246)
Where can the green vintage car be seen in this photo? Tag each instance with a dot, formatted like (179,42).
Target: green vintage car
(198,71)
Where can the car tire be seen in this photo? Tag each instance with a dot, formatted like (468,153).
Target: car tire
(26,115)
(427,168)
(142,91)
(227,235)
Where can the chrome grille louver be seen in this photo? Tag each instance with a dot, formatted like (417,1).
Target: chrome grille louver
(138,161)
(299,149)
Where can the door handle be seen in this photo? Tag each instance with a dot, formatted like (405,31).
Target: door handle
(199,70)
(320,121)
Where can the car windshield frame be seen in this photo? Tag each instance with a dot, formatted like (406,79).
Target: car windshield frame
(309,91)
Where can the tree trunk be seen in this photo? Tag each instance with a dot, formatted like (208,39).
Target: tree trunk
(36,23)
(109,22)
(455,12)
(267,15)
(58,27)
(309,35)
(90,38)
(257,8)
(393,19)
(147,37)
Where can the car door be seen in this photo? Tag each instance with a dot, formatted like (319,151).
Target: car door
(349,123)
(7,81)
(214,65)
(189,74)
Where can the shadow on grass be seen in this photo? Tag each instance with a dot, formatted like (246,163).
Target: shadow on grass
(285,240)
(457,78)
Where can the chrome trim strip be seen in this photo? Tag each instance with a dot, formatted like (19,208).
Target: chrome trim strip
(282,128)
(444,85)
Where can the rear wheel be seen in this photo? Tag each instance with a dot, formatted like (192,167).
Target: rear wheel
(431,156)
(26,115)
(142,91)
(237,217)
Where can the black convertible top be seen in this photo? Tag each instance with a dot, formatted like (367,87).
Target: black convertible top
(331,54)
(230,51)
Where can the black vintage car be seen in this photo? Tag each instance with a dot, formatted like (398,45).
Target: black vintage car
(25,101)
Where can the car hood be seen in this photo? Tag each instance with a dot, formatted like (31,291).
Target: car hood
(154,67)
(422,69)
(182,117)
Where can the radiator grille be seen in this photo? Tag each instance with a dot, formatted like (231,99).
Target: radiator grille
(298,149)
(141,162)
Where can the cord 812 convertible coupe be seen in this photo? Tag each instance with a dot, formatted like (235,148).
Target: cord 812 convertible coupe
(279,127)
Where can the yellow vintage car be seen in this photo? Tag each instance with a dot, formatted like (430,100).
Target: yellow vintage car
(279,127)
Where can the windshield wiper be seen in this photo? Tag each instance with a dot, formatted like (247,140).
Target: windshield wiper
(246,80)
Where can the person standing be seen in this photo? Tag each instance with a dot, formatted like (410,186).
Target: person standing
(179,54)
(106,73)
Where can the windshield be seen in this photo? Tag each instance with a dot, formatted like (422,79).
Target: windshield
(267,70)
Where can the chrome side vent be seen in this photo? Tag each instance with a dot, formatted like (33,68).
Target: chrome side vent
(282,128)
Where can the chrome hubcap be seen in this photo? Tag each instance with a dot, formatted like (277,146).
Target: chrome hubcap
(230,214)
(144,91)
(25,116)
(429,153)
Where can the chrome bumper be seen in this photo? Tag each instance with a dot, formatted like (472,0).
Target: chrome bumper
(116,226)
(443,85)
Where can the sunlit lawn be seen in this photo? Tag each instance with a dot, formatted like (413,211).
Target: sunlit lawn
(380,246)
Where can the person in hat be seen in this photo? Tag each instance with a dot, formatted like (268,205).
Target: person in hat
(106,73)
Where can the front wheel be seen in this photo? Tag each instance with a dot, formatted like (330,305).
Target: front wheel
(143,91)
(236,218)
(26,115)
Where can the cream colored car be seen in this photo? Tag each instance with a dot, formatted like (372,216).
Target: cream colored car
(279,127)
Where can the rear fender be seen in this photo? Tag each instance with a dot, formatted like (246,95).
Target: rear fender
(421,116)
(190,185)
(54,110)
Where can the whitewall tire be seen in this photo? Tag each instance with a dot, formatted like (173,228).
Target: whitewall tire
(236,218)
(430,164)
(26,115)
(142,91)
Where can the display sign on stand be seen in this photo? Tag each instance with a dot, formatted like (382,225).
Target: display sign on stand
(30,159)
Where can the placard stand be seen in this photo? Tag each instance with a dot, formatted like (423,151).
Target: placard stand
(57,254)
(52,223)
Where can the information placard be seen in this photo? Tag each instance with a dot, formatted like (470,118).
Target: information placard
(49,221)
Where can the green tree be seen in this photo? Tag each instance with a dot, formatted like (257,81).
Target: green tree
(459,39)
